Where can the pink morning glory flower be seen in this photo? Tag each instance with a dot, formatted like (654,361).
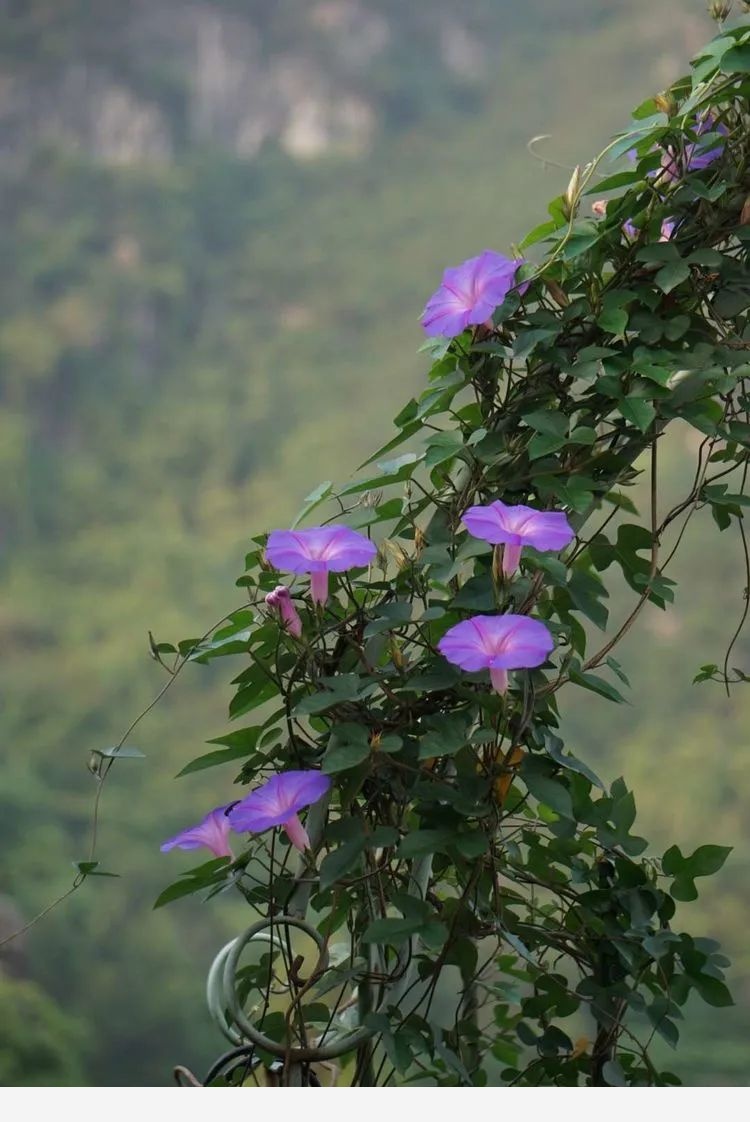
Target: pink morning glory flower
(513,527)
(211,833)
(281,600)
(319,551)
(470,293)
(497,644)
(278,802)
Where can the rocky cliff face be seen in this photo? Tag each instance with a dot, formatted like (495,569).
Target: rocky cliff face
(169,74)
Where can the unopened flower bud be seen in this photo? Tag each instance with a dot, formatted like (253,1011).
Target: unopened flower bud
(557,293)
(719,9)
(420,541)
(668,227)
(395,550)
(509,765)
(572,194)
(281,600)
(666,103)
(397,654)
(599,208)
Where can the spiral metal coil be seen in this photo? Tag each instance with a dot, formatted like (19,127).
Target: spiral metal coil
(227,1010)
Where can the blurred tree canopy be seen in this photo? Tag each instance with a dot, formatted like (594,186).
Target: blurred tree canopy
(40,1046)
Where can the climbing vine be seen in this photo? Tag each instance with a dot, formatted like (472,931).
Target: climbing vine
(465,902)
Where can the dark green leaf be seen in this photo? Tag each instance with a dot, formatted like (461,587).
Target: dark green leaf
(713,991)
(736,60)
(673,274)
(638,411)
(213,759)
(348,746)
(91,869)
(186,887)
(250,697)
(393,931)
(443,446)
(341,861)
(596,685)
(545,788)
(420,843)
(341,688)
(613,320)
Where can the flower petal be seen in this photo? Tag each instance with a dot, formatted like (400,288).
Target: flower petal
(519,525)
(319,549)
(490,524)
(277,800)
(211,833)
(347,549)
(463,648)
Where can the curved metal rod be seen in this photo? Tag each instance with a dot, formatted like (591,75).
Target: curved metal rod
(215,988)
(244,1051)
(229,957)
(214,995)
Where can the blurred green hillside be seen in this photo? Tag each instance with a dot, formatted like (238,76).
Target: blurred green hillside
(199,321)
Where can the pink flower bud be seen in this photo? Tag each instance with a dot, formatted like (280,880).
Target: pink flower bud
(281,600)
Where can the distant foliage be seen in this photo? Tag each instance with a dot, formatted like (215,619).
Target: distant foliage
(40,1046)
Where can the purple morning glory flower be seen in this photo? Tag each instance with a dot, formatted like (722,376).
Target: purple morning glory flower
(674,166)
(696,156)
(278,802)
(497,644)
(629,229)
(319,551)
(599,209)
(211,833)
(668,227)
(281,600)
(699,159)
(470,293)
(513,527)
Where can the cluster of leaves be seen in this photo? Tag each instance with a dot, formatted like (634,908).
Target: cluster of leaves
(462,833)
